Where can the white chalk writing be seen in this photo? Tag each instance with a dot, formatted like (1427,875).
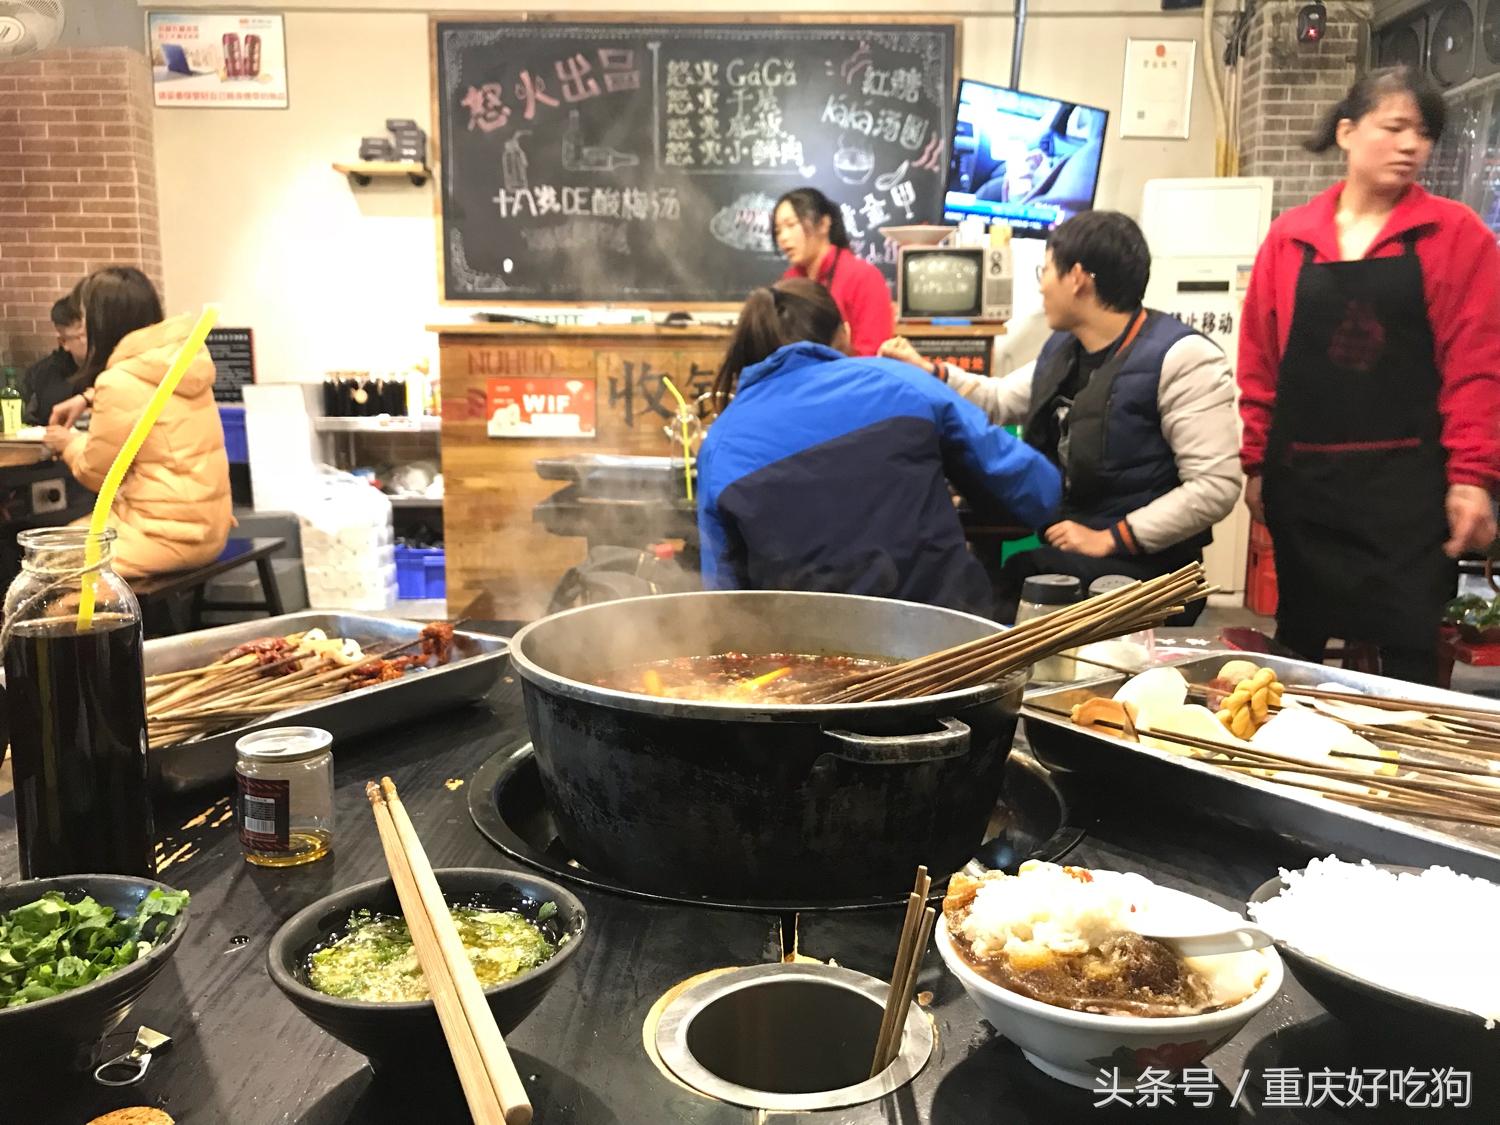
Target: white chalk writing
(635,204)
(727,117)
(909,130)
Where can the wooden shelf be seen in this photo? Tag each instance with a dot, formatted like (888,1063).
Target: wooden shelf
(379,424)
(362,173)
(416,502)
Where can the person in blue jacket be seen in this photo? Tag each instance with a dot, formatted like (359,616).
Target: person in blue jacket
(830,473)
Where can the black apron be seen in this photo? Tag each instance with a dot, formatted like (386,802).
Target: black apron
(1355,472)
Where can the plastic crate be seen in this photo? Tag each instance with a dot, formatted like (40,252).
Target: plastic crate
(1260,572)
(236,445)
(421,572)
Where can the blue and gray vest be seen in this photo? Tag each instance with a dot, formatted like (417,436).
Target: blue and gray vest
(1117,459)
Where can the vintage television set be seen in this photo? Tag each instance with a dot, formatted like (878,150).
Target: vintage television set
(970,283)
(1023,160)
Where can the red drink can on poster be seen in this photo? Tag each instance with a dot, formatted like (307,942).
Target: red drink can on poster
(252,56)
(232,61)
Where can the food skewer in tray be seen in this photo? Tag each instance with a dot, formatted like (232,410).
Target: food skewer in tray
(1424,789)
(271,674)
(1432,726)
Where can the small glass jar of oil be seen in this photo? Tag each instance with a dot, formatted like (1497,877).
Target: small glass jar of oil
(284,795)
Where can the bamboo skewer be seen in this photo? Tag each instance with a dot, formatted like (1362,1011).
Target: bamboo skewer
(300,684)
(908,987)
(1391,703)
(1387,802)
(909,952)
(1401,785)
(417,640)
(991,658)
(1485,798)
(1416,808)
(1271,758)
(170,694)
(218,668)
(1427,767)
(504,1080)
(257,695)
(1022,636)
(1111,667)
(216,695)
(208,714)
(894,1017)
(192,703)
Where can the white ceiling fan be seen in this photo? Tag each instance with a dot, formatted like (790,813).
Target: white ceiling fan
(28,26)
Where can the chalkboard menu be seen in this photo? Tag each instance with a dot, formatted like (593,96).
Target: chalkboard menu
(233,353)
(634,162)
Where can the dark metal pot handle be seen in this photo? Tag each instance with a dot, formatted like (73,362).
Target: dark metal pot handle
(902,749)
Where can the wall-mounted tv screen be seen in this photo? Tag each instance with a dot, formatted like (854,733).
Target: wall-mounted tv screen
(1022,159)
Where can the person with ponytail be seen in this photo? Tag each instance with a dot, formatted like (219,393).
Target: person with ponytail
(809,232)
(829,473)
(1369,375)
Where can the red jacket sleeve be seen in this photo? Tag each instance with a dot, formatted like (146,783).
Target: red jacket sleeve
(871,319)
(1259,357)
(1464,310)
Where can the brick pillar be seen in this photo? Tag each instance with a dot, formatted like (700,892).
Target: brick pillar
(1286,88)
(77,182)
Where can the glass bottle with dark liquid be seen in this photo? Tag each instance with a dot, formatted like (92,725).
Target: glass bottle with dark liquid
(77,707)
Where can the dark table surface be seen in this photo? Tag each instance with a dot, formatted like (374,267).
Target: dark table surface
(243,1055)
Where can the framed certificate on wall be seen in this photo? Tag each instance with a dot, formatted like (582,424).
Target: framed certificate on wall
(1158,95)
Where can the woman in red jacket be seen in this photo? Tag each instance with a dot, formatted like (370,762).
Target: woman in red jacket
(809,231)
(1369,374)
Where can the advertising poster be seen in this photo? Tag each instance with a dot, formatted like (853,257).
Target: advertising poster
(546,408)
(217,60)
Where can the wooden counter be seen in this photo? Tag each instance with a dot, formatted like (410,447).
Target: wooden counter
(15,451)
(491,484)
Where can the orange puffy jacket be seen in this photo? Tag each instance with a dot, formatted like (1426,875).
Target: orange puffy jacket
(173,510)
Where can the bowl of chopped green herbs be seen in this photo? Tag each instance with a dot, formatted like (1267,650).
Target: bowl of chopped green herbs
(75,953)
(347,961)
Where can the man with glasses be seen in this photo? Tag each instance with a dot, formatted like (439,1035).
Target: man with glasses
(49,381)
(1135,409)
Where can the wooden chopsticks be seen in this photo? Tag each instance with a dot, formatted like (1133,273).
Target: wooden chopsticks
(491,1085)
(916,932)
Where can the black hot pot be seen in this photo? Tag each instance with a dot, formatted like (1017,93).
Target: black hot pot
(758,800)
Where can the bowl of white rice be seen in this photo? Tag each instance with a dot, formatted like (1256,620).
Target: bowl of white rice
(1384,946)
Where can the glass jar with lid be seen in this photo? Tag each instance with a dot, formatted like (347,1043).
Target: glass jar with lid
(284,795)
(1132,651)
(1042,594)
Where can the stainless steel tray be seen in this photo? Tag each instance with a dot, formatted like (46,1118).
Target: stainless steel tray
(470,674)
(1353,833)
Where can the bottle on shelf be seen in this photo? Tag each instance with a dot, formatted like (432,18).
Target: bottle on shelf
(10,404)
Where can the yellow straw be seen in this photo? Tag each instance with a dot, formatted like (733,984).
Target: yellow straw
(127,454)
(683,416)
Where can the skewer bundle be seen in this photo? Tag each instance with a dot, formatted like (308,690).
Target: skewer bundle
(266,677)
(988,659)
(1444,790)
(916,931)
